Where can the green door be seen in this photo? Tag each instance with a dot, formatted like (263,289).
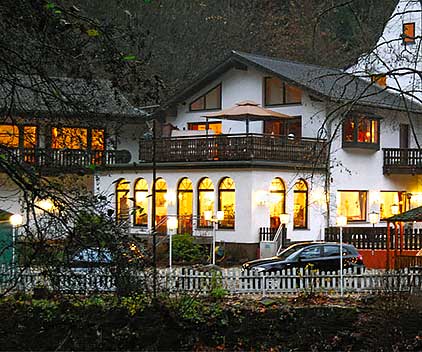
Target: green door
(5,238)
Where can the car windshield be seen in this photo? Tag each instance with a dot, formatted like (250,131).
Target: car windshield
(289,251)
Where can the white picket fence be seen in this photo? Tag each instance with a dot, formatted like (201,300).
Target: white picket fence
(234,280)
(292,281)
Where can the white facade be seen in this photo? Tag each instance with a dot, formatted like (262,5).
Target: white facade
(392,55)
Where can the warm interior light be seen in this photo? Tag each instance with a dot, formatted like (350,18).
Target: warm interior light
(170,197)
(16,220)
(208,215)
(284,218)
(341,220)
(374,217)
(220,215)
(172,223)
(394,209)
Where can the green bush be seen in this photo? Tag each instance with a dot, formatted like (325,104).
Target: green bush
(185,250)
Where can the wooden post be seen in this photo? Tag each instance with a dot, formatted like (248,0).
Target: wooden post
(388,245)
(401,237)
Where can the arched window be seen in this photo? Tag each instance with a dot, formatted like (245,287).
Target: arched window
(141,203)
(300,211)
(205,199)
(277,201)
(160,205)
(185,205)
(122,200)
(227,202)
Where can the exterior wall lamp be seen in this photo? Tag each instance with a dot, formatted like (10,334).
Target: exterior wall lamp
(394,209)
(208,216)
(261,198)
(374,218)
(170,197)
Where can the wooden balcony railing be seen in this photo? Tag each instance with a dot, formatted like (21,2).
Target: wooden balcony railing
(65,158)
(236,147)
(402,161)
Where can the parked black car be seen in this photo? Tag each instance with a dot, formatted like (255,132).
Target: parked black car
(323,256)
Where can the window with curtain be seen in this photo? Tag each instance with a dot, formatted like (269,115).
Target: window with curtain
(122,200)
(161,205)
(227,202)
(300,206)
(352,204)
(141,203)
(277,201)
(205,200)
(361,131)
(185,205)
(388,199)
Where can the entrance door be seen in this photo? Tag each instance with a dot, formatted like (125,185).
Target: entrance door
(404,136)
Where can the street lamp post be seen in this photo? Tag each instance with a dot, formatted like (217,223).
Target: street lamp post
(171,227)
(341,222)
(15,220)
(208,216)
(284,220)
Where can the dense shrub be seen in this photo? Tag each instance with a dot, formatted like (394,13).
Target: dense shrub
(186,250)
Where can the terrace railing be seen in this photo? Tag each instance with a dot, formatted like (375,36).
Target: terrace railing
(402,161)
(375,237)
(235,147)
(65,158)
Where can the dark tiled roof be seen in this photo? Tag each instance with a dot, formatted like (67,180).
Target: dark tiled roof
(65,96)
(332,83)
(410,215)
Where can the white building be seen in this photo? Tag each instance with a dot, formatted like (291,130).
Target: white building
(332,140)
(346,147)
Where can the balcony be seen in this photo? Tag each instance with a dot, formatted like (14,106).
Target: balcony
(65,159)
(305,153)
(402,161)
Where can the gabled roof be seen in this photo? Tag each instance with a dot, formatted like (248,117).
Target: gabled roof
(64,96)
(410,215)
(329,83)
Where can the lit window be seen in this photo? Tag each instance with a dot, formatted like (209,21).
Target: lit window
(14,136)
(209,101)
(97,139)
(227,202)
(141,203)
(185,205)
(160,205)
(285,127)
(361,131)
(352,204)
(202,126)
(122,200)
(76,138)
(380,80)
(388,199)
(408,33)
(300,210)
(205,200)
(277,201)
(278,92)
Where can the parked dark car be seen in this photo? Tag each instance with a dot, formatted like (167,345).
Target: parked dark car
(321,256)
(91,260)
